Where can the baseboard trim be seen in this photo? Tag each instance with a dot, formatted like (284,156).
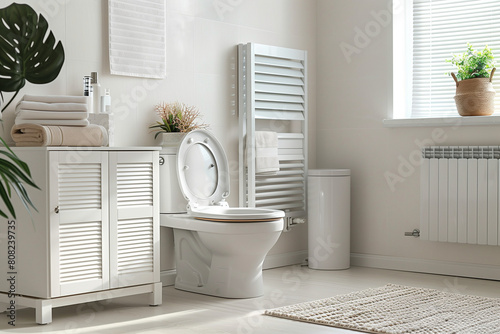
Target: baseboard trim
(378,261)
(426,266)
(285,259)
(167,277)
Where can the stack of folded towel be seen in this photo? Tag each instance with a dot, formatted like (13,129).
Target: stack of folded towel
(53,110)
(55,121)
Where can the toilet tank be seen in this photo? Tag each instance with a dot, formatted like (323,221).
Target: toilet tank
(171,198)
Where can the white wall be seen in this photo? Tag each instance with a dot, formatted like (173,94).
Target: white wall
(353,97)
(201,64)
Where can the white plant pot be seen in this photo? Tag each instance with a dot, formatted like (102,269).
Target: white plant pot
(171,139)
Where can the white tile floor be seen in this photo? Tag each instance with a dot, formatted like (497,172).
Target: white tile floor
(188,313)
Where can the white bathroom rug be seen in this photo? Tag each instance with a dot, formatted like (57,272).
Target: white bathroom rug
(396,309)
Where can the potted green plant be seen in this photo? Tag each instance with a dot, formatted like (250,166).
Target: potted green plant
(475,94)
(28,52)
(176,119)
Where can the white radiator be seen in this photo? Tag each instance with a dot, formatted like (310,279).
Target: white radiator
(460,194)
(273,97)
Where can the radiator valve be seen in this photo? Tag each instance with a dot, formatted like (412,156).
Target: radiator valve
(415,233)
(296,221)
(290,222)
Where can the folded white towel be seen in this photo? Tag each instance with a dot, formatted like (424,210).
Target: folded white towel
(38,135)
(43,106)
(56,98)
(63,122)
(266,152)
(44,115)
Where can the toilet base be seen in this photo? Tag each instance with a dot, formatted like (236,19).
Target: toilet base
(221,274)
(220,282)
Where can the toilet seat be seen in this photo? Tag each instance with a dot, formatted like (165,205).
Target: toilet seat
(225,214)
(221,220)
(187,222)
(203,174)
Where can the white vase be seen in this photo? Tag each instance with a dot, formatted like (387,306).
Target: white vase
(172,139)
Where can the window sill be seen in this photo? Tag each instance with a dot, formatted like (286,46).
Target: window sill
(442,121)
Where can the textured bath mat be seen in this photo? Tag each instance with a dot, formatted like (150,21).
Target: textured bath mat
(396,309)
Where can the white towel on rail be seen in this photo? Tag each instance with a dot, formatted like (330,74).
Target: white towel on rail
(137,38)
(266,152)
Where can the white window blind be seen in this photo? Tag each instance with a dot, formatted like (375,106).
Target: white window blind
(440,28)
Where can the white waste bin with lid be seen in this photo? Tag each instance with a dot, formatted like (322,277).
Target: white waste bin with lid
(329,218)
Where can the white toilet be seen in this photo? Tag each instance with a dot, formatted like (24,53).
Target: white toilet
(219,250)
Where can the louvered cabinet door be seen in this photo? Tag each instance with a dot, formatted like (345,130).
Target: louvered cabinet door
(78,213)
(134,218)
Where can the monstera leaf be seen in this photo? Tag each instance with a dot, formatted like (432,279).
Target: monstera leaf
(27,51)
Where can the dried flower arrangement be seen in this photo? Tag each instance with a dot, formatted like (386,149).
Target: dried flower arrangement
(176,117)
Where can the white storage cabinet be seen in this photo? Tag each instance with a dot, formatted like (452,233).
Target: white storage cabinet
(96,233)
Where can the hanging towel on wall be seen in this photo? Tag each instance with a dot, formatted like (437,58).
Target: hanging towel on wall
(38,135)
(137,38)
(266,152)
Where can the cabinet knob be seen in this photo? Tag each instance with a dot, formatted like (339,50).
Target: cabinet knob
(56,210)
(162,161)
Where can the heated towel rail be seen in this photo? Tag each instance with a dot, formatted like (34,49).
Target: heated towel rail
(273,97)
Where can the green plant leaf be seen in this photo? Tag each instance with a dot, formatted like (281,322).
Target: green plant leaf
(13,173)
(11,155)
(473,64)
(28,51)
(23,195)
(6,200)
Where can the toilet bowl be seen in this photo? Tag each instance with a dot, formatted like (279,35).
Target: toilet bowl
(219,250)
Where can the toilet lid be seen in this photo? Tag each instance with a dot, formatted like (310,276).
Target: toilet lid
(203,169)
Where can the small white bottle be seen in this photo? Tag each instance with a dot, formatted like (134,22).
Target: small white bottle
(106,102)
(96,93)
(106,110)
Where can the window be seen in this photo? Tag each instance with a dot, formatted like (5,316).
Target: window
(426,32)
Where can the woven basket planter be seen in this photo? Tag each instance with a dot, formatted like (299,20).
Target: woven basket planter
(475,97)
